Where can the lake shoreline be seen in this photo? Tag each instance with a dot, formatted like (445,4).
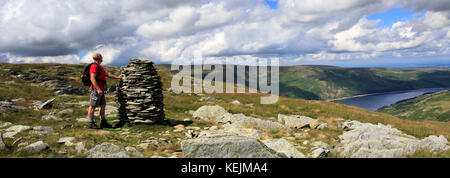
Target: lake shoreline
(369,94)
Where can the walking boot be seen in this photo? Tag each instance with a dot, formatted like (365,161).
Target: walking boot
(104,124)
(120,124)
(92,125)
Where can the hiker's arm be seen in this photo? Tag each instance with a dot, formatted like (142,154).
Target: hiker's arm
(94,82)
(113,76)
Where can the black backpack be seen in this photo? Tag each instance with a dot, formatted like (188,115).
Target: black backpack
(86,77)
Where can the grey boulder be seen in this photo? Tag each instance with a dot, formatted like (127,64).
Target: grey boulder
(108,150)
(35,148)
(295,121)
(227,146)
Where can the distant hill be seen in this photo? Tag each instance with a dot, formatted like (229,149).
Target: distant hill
(435,107)
(329,82)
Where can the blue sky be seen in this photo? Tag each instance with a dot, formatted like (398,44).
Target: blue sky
(324,32)
(388,18)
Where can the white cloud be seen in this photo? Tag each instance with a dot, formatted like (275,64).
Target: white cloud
(167,30)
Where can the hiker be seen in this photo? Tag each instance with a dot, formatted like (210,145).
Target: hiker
(98,79)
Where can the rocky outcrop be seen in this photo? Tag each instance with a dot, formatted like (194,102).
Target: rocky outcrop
(227,146)
(366,140)
(219,115)
(7,107)
(108,150)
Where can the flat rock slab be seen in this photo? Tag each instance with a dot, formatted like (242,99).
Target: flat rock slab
(108,150)
(227,146)
(41,130)
(18,128)
(284,147)
(63,140)
(47,104)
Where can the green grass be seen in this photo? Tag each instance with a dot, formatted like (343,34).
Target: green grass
(177,107)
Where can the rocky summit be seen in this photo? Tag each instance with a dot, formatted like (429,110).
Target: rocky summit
(140,93)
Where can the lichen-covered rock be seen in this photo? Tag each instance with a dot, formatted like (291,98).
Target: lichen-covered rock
(210,112)
(65,112)
(41,130)
(367,140)
(34,148)
(295,121)
(108,150)
(319,153)
(434,143)
(133,151)
(18,128)
(240,120)
(227,146)
(284,147)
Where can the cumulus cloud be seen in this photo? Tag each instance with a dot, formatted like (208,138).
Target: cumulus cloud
(168,30)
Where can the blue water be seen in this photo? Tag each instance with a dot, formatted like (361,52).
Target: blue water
(376,101)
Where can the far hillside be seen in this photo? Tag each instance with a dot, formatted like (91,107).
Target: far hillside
(330,82)
(434,107)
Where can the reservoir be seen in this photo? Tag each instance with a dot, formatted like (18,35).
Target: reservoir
(375,101)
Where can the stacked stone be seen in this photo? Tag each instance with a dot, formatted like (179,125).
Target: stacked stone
(140,93)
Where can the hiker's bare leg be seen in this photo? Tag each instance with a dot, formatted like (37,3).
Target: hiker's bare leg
(101,112)
(91,111)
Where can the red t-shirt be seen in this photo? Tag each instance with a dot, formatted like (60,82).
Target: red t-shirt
(101,76)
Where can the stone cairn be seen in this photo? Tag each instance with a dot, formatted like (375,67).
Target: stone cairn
(140,93)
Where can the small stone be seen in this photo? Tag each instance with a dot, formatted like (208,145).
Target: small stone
(193,128)
(179,128)
(322,126)
(236,102)
(319,153)
(50,117)
(18,100)
(64,140)
(143,146)
(133,151)
(187,119)
(47,104)
(80,148)
(65,112)
(214,127)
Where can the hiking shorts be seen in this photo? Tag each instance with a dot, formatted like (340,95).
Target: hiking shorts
(97,101)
